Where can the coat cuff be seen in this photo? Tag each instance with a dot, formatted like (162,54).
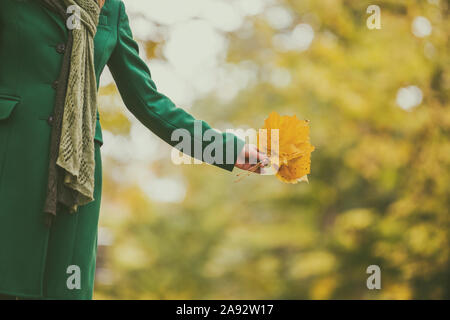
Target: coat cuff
(238,146)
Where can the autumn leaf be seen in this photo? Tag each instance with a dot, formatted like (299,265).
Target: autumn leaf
(292,153)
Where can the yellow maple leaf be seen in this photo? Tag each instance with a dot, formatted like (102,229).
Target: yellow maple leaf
(296,169)
(292,155)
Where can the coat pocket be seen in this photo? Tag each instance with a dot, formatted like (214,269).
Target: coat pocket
(7,106)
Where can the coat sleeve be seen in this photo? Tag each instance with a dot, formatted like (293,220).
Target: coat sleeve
(156,111)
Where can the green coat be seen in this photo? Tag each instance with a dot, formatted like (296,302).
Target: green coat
(33,258)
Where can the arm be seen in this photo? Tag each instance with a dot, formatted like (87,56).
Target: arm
(156,111)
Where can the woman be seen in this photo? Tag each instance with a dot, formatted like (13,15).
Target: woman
(50,137)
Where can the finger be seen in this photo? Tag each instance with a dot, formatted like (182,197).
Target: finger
(252,156)
(262,157)
(258,171)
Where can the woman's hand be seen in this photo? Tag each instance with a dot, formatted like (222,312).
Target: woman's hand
(249,157)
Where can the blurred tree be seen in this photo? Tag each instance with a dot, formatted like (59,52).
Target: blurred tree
(378,191)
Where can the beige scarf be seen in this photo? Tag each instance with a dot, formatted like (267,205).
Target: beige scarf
(72,159)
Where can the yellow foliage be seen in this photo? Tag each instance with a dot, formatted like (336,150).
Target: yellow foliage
(291,152)
(323,288)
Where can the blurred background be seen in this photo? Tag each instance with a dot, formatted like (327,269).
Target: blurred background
(378,102)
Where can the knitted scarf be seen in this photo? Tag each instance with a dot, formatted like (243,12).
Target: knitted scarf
(72,161)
